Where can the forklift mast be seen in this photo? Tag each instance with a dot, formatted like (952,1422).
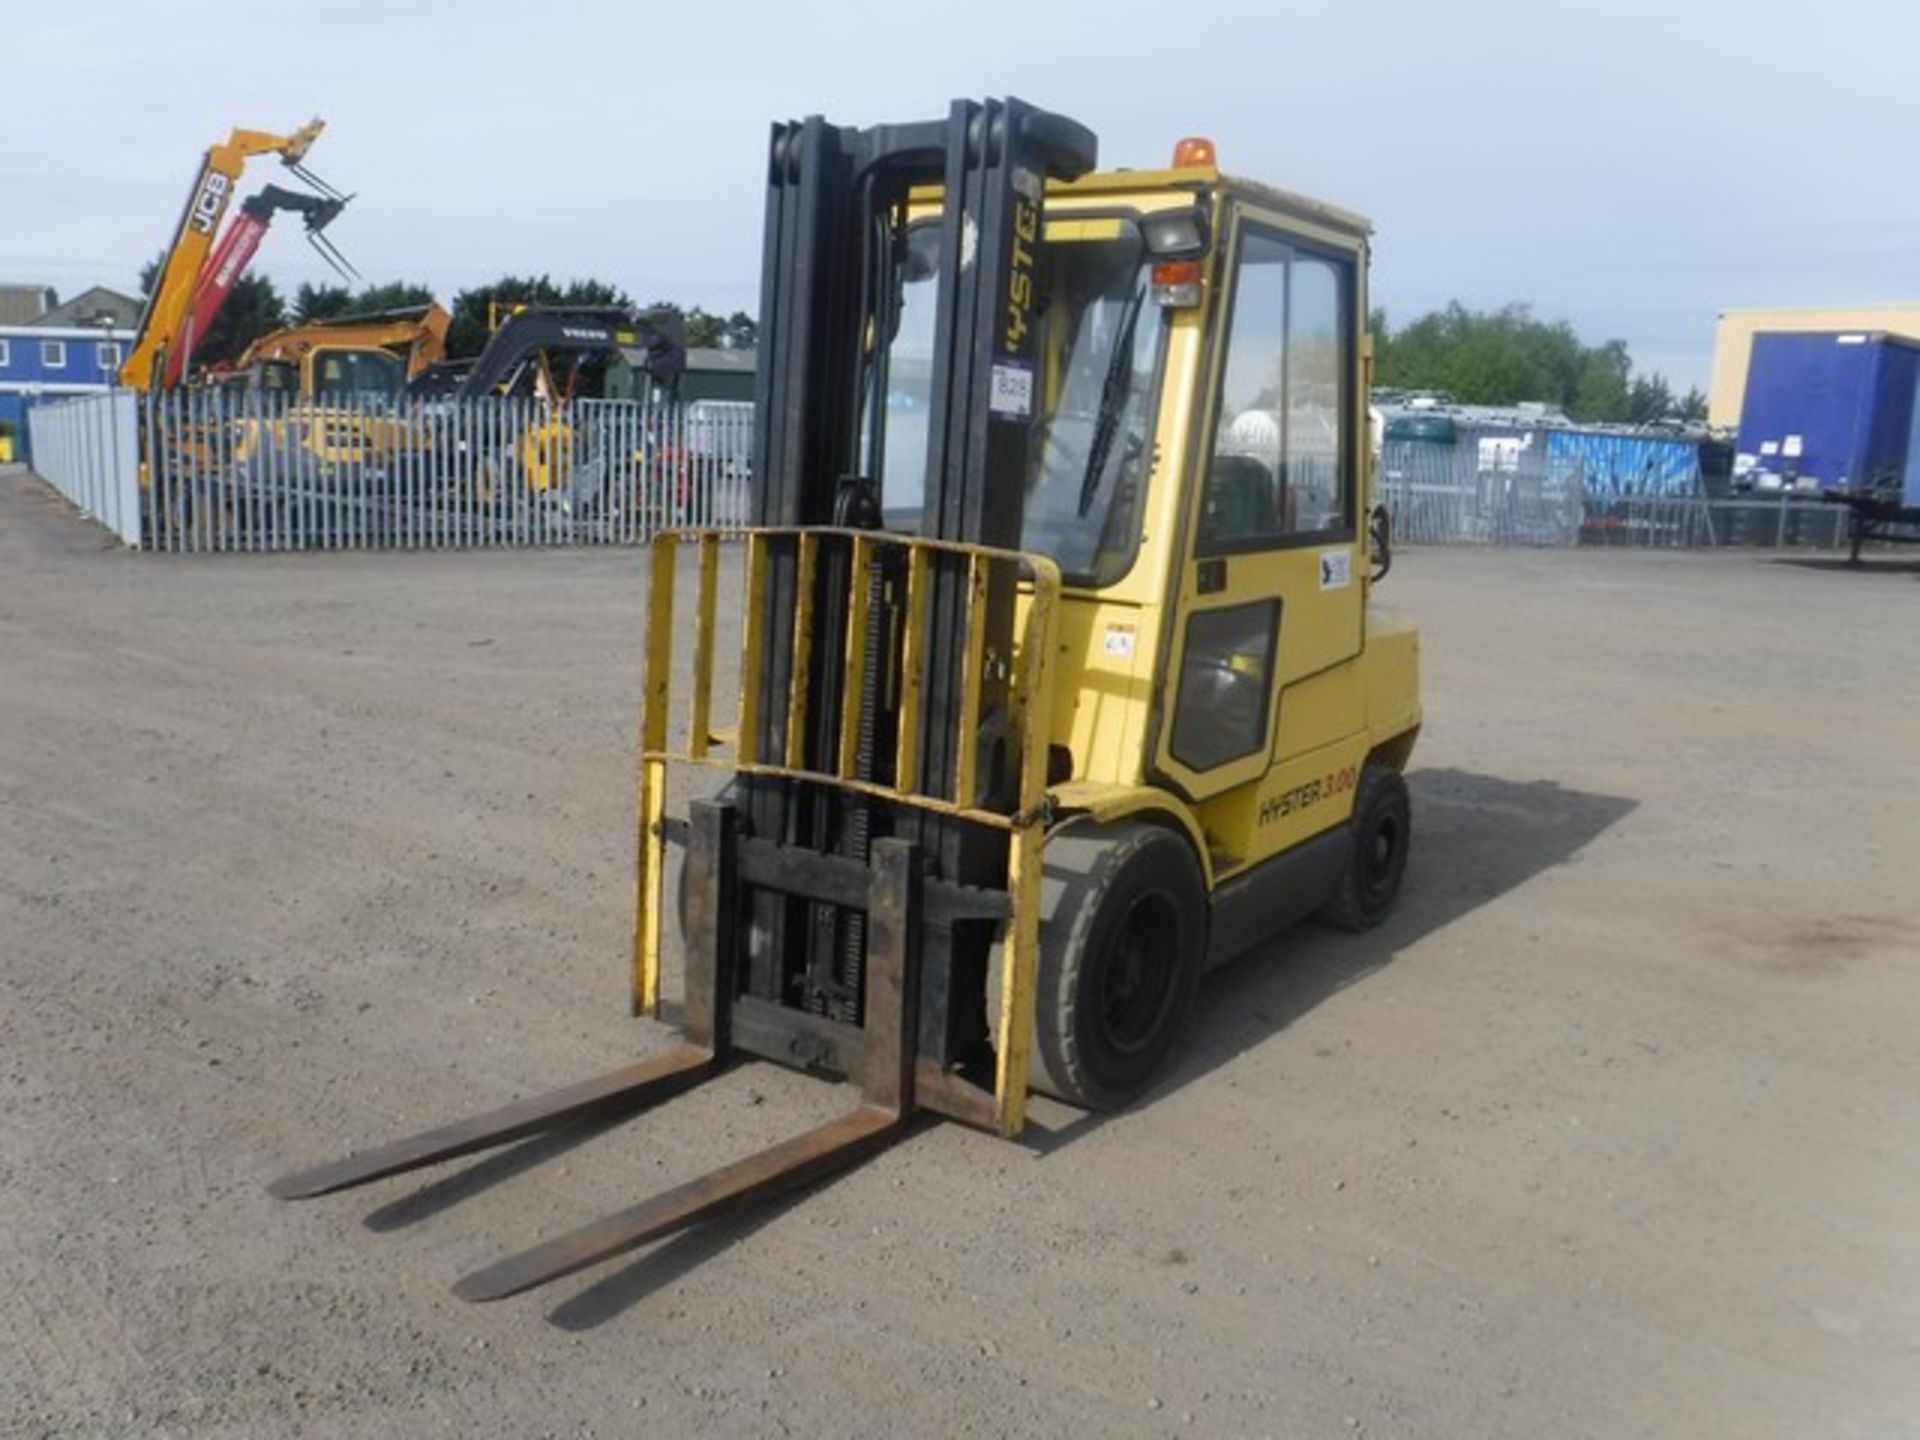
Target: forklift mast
(830,292)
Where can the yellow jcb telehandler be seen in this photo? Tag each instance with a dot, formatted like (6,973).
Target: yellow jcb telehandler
(1060,679)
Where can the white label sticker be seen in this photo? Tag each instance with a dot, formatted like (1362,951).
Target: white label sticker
(1012,392)
(1792,447)
(1118,641)
(1336,569)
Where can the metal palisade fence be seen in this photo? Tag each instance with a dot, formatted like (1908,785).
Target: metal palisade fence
(207,470)
(258,471)
(1560,487)
(216,470)
(88,450)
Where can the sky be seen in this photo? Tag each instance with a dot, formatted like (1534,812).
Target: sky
(1631,167)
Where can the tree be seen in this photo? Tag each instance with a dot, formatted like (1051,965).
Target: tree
(1648,399)
(737,331)
(394,295)
(331,302)
(470,329)
(319,302)
(1506,356)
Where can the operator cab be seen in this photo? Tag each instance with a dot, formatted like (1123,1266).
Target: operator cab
(358,377)
(1195,472)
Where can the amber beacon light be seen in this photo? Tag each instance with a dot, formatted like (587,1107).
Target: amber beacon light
(1195,150)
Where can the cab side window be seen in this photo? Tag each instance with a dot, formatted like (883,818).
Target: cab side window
(1279,466)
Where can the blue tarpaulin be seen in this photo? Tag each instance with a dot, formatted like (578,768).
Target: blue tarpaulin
(1604,466)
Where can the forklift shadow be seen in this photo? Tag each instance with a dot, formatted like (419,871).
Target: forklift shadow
(1476,838)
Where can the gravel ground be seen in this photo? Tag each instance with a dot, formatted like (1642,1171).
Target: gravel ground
(1614,1130)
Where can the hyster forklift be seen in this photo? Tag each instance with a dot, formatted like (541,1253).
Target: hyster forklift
(1059,680)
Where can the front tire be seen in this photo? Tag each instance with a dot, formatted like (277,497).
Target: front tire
(1120,958)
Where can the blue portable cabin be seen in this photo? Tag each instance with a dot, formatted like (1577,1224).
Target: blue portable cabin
(1832,411)
(46,362)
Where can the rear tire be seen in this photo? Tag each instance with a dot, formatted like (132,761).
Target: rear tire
(1380,829)
(1121,947)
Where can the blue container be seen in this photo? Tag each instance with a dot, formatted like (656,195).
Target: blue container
(1834,411)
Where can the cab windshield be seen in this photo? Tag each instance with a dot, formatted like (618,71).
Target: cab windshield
(358,375)
(1096,365)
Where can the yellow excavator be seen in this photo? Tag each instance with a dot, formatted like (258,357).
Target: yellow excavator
(377,353)
(317,402)
(1061,676)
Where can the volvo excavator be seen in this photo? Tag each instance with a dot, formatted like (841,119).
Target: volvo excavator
(1061,676)
(547,358)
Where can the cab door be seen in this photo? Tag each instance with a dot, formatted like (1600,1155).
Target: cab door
(1269,589)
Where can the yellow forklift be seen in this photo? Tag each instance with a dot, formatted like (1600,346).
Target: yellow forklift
(1060,680)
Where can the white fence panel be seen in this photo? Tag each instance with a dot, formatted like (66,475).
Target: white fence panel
(88,449)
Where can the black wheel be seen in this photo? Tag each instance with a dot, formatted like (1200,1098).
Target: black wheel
(1120,954)
(1381,827)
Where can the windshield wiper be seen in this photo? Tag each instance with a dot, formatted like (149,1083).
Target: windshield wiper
(1113,388)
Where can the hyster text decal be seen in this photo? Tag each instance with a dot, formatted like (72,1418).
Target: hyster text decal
(1026,230)
(1308,793)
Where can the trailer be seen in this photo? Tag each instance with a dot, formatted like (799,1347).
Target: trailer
(1834,414)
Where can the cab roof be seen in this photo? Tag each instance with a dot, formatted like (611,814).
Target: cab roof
(1202,178)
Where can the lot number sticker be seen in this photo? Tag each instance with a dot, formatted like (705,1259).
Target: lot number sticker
(1012,392)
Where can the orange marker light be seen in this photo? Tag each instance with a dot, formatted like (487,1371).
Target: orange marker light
(1194,150)
(1176,283)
